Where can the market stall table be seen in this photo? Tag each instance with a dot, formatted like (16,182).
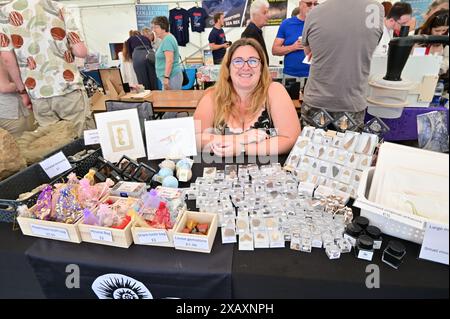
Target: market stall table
(230,273)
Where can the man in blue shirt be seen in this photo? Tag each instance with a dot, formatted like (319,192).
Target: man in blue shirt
(217,41)
(288,42)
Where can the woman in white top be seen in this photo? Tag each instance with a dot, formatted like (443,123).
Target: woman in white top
(126,67)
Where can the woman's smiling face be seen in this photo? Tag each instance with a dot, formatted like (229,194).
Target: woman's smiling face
(245,68)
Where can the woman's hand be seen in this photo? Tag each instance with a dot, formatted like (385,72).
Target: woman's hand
(226,149)
(26,101)
(166,84)
(253,136)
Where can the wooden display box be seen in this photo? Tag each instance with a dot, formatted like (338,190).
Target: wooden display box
(50,230)
(107,235)
(193,242)
(154,236)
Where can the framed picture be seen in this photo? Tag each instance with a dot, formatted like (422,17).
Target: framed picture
(171,138)
(120,134)
(111,81)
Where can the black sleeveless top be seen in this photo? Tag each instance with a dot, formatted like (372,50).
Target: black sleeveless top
(264,122)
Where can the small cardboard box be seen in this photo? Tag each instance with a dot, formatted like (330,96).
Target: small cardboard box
(107,235)
(50,230)
(193,242)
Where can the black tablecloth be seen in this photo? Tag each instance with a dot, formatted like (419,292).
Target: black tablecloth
(166,272)
(285,273)
(228,272)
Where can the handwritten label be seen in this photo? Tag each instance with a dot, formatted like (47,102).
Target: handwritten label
(91,137)
(153,237)
(101,235)
(191,242)
(55,165)
(435,243)
(50,232)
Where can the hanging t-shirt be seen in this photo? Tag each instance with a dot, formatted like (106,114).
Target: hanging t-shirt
(179,25)
(198,17)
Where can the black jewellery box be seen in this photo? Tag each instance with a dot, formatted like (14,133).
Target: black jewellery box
(127,167)
(144,174)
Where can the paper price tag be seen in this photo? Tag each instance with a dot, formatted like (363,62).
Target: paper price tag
(153,237)
(91,137)
(50,232)
(55,165)
(435,243)
(190,242)
(101,235)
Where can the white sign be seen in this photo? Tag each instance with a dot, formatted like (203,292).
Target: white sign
(191,242)
(171,138)
(50,232)
(101,235)
(91,137)
(419,51)
(435,243)
(153,237)
(55,165)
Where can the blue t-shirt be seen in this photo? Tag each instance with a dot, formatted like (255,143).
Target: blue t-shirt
(169,43)
(290,29)
(217,36)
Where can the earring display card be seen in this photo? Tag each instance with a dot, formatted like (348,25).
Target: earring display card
(228,235)
(276,239)
(333,159)
(246,241)
(261,239)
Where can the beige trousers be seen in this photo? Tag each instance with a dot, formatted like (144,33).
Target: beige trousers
(17,127)
(73,107)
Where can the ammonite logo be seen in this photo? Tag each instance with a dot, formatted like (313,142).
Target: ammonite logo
(117,286)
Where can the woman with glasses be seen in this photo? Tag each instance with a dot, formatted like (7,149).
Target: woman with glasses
(245,112)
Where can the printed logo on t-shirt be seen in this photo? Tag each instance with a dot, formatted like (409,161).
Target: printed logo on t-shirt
(222,35)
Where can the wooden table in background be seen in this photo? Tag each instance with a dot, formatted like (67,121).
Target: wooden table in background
(176,100)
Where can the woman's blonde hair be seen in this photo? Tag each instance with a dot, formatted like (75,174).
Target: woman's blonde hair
(225,96)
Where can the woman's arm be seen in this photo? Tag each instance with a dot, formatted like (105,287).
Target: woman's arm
(168,69)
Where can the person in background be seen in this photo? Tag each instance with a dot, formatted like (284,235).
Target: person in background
(398,16)
(138,48)
(168,67)
(436,6)
(259,15)
(288,41)
(437,24)
(147,32)
(126,66)
(340,63)
(245,112)
(217,40)
(42,64)
(295,12)
(14,116)
(387,5)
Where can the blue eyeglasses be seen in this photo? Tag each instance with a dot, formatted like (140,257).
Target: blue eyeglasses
(239,62)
